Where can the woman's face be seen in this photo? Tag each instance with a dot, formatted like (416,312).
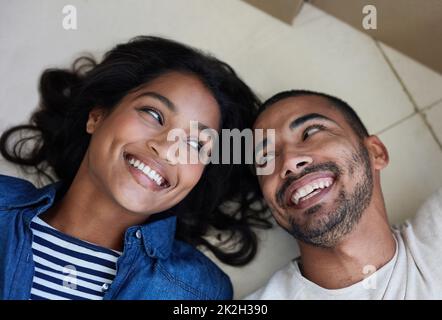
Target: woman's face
(135,134)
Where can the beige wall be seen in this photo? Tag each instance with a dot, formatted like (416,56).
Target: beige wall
(413,27)
(284,10)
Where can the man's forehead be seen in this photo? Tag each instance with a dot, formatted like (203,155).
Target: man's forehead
(287,109)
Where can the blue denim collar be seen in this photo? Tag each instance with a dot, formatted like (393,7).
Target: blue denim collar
(158,234)
(22,193)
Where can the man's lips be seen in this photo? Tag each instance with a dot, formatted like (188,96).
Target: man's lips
(309,189)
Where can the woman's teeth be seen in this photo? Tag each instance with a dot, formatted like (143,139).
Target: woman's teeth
(312,188)
(149,172)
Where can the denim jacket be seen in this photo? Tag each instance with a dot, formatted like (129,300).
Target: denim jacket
(154,265)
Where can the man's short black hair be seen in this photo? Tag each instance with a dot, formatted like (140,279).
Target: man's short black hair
(349,114)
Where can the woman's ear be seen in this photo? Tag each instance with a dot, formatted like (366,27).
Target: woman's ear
(378,152)
(96,116)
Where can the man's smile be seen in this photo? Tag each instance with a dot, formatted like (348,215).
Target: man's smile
(308,190)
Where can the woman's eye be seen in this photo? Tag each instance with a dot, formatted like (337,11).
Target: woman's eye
(195,144)
(154,114)
(311,130)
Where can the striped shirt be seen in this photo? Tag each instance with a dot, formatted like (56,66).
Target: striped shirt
(68,268)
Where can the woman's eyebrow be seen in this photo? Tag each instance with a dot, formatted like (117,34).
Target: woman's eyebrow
(311,116)
(169,104)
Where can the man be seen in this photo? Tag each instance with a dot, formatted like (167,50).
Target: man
(326,192)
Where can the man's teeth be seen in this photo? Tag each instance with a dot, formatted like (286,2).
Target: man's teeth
(150,173)
(306,191)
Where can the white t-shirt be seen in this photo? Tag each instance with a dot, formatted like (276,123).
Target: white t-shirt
(415,271)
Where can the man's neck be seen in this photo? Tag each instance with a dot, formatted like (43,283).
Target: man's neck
(370,245)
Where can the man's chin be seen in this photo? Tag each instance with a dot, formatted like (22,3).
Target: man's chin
(313,213)
(314,209)
(318,228)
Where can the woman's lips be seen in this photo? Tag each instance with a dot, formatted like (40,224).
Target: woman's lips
(141,178)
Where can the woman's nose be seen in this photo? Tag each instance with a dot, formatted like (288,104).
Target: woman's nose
(160,147)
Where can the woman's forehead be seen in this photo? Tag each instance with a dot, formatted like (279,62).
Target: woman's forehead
(183,95)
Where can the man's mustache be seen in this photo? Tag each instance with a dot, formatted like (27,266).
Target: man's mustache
(326,166)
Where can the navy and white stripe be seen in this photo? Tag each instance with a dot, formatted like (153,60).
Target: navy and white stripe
(67,268)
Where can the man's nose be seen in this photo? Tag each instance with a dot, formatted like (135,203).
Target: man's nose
(294,164)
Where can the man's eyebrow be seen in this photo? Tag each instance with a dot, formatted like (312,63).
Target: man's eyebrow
(169,104)
(311,116)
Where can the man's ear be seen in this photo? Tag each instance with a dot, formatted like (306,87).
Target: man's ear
(378,152)
(96,116)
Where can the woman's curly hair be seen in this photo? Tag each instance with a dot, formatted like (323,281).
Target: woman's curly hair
(227,197)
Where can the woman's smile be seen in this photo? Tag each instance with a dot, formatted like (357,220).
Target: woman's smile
(146,172)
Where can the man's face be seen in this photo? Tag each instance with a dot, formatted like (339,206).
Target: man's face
(323,178)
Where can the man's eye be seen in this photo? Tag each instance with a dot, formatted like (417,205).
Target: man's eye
(262,161)
(311,131)
(154,114)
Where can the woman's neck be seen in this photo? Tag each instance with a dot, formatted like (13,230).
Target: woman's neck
(89,213)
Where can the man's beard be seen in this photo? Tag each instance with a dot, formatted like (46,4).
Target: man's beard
(349,207)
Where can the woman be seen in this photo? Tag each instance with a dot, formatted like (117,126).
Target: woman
(123,220)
